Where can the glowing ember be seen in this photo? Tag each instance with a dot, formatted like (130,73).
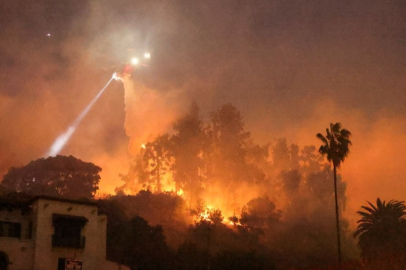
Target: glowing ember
(180,192)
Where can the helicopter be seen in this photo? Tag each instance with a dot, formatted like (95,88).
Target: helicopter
(135,62)
(128,67)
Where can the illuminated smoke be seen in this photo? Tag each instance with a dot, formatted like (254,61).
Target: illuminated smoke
(148,112)
(60,142)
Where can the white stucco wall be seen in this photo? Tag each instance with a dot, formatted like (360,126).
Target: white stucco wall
(20,252)
(46,257)
(38,254)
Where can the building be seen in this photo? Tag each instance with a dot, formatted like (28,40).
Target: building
(48,233)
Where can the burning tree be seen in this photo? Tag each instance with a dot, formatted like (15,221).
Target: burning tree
(158,159)
(189,144)
(138,174)
(217,166)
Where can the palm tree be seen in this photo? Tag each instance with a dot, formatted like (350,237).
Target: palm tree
(336,146)
(382,231)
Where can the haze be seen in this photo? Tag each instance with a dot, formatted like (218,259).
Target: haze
(291,67)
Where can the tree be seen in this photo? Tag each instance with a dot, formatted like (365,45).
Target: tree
(191,256)
(158,159)
(241,259)
(311,160)
(228,160)
(54,176)
(202,212)
(145,246)
(116,225)
(382,234)
(280,155)
(137,174)
(336,146)
(291,182)
(188,148)
(259,213)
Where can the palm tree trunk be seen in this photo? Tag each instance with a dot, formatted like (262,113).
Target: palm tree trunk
(337,218)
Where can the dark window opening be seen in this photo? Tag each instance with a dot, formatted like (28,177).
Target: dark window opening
(68,231)
(10,229)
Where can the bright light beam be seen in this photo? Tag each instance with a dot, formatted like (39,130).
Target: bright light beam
(60,142)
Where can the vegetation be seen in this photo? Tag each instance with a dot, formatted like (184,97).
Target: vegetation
(54,176)
(336,147)
(240,196)
(132,241)
(208,197)
(381,235)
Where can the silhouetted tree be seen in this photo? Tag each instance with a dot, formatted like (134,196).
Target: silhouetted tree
(137,175)
(228,160)
(257,157)
(336,146)
(158,158)
(319,188)
(382,234)
(259,214)
(294,157)
(191,257)
(166,209)
(54,176)
(188,146)
(201,212)
(116,224)
(224,246)
(291,182)
(216,216)
(144,246)
(281,155)
(311,159)
(218,159)
(304,234)
(240,259)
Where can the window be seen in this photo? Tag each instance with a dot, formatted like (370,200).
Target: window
(68,231)
(10,229)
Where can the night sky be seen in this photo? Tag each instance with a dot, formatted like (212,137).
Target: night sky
(291,67)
